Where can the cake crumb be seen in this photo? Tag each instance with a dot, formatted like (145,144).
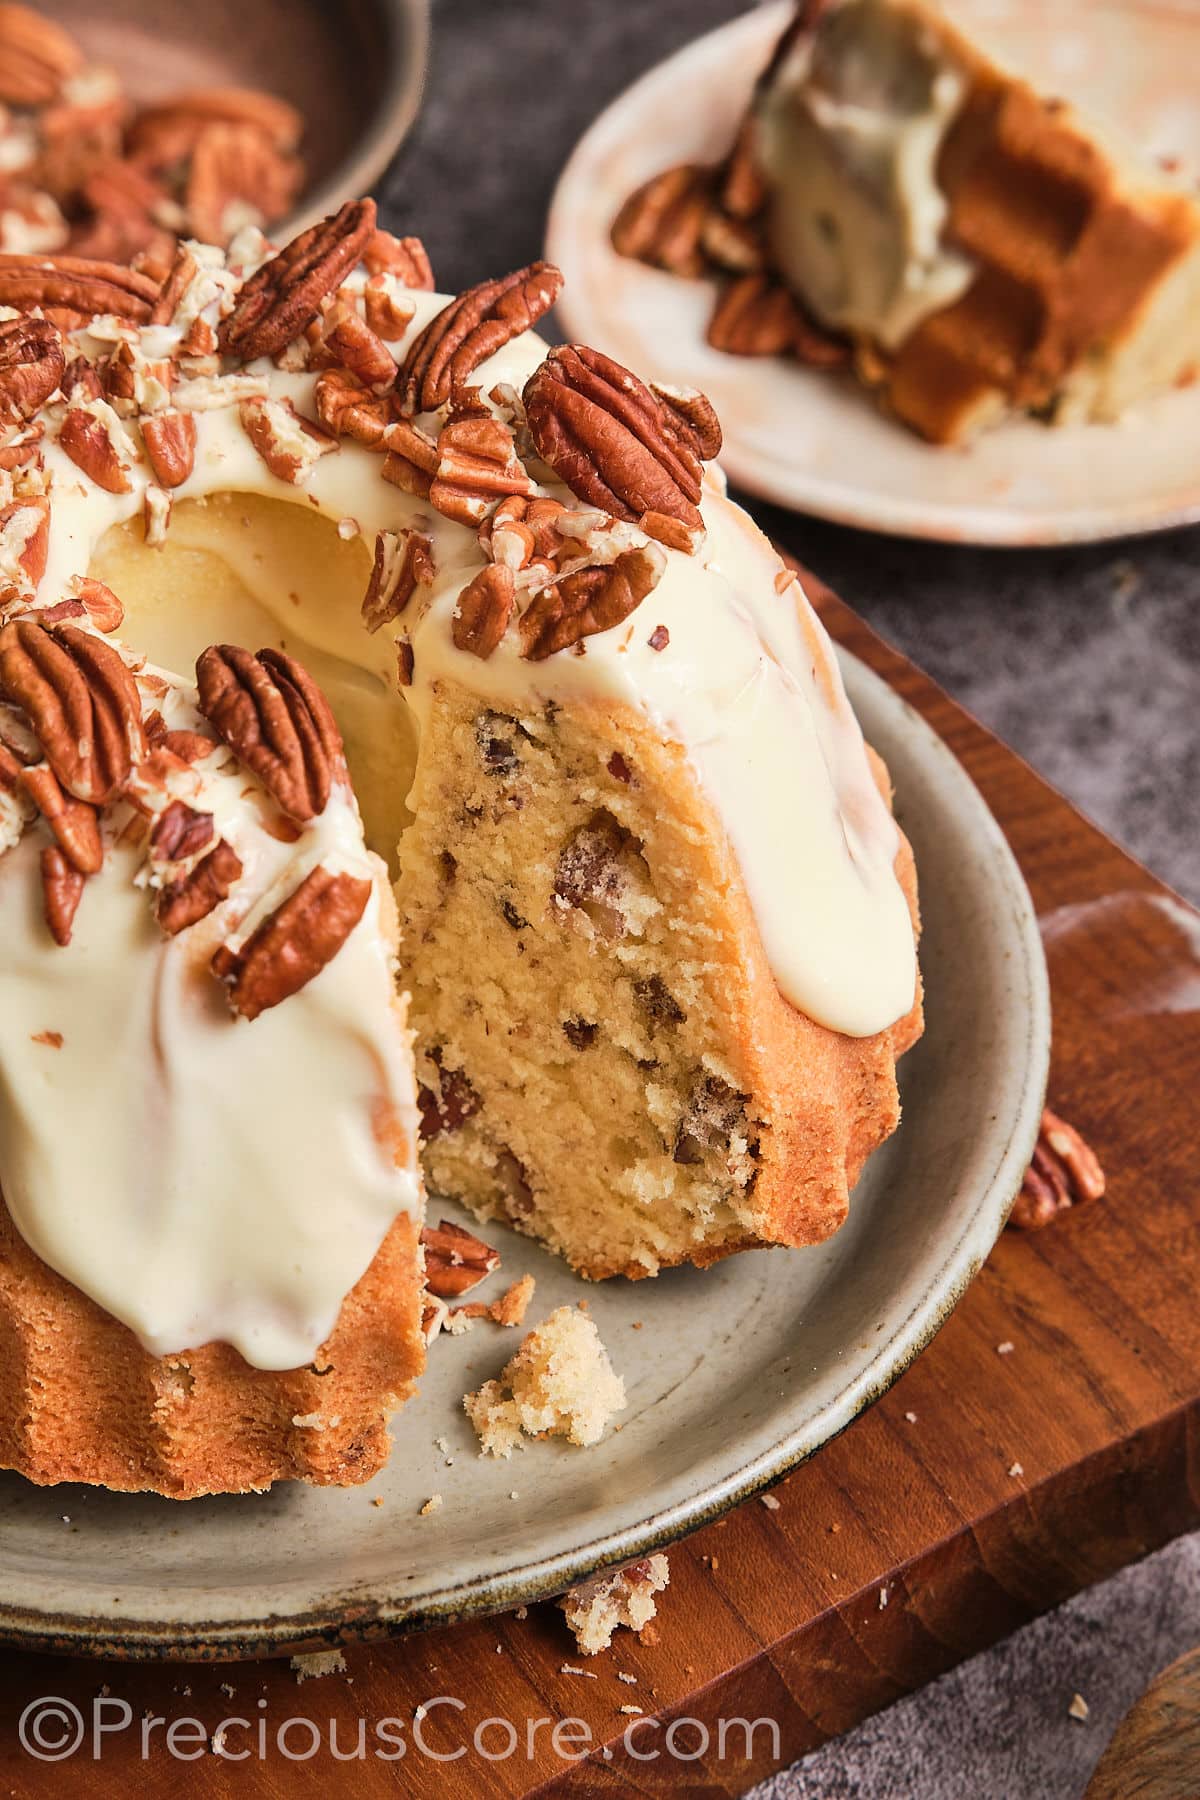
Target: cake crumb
(636,1710)
(378,1500)
(599,1606)
(315,1421)
(441,1443)
(883,1598)
(560,1383)
(317,1663)
(228,1689)
(770,1502)
(431,1505)
(911,1417)
(460,1321)
(1017,1470)
(570,1669)
(1079,1707)
(511,1307)
(522,1612)
(630,1679)
(1006,1348)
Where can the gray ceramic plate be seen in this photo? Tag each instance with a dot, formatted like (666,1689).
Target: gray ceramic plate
(737,1374)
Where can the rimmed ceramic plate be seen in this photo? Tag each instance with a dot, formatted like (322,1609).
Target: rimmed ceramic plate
(736,1374)
(816,441)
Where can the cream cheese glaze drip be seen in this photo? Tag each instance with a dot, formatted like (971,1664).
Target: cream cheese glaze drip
(202,1177)
(848,132)
(293,1197)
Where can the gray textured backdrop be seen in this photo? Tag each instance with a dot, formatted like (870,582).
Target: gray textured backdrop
(1084,660)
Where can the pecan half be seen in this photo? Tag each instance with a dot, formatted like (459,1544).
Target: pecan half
(758,316)
(455,1260)
(184,902)
(477,465)
(294,944)
(345,407)
(168,133)
(92,447)
(36,57)
(62,890)
(404,257)
(589,601)
(484,609)
(76,286)
(662,221)
(473,327)
(1064,1173)
(80,699)
(612,439)
(170,440)
(237,172)
(282,297)
(276,720)
(403,561)
(32,361)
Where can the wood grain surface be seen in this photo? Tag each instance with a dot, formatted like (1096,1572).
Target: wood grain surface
(903,1546)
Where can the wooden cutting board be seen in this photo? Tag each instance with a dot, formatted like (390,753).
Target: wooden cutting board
(902,1547)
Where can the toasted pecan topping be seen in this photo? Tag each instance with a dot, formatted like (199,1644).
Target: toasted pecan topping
(91,446)
(36,57)
(76,285)
(477,465)
(74,824)
(614,441)
(81,701)
(288,443)
(662,221)
(276,720)
(403,562)
(345,406)
(472,327)
(285,295)
(29,520)
(99,602)
(455,1260)
(351,342)
(180,833)
(589,601)
(32,361)
(294,944)
(403,257)
(170,440)
(62,890)
(1064,1173)
(484,608)
(184,902)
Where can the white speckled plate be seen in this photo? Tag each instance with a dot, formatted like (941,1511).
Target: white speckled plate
(737,1373)
(816,441)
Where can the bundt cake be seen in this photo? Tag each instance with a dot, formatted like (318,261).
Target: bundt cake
(974,247)
(656,921)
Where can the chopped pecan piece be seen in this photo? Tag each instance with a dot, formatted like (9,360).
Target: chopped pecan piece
(403,561)
(345,407)
(184,902)
(351,342)
(178,279)
(613,440)
(276,720)
(388,316)
(289,444)
(473,327)
(180,833)
(99,602)
(62,890)
(477,465)
(80,699)
(25,536)
(291,947)
(588,601)
(403,257)
(32,361)
(662,221)
(282,297)
(454,1103)
(455,1260)
(76,286)
(1064,1173)
(484,609)
(93,447)
(170,440)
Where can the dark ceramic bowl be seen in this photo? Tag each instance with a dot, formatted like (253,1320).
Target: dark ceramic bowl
(354,68)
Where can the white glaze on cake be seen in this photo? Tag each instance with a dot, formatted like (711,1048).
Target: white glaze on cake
(293,1199)
(848,134)
(203,1177)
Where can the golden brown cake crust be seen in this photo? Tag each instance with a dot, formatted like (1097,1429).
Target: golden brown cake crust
(83,1401)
